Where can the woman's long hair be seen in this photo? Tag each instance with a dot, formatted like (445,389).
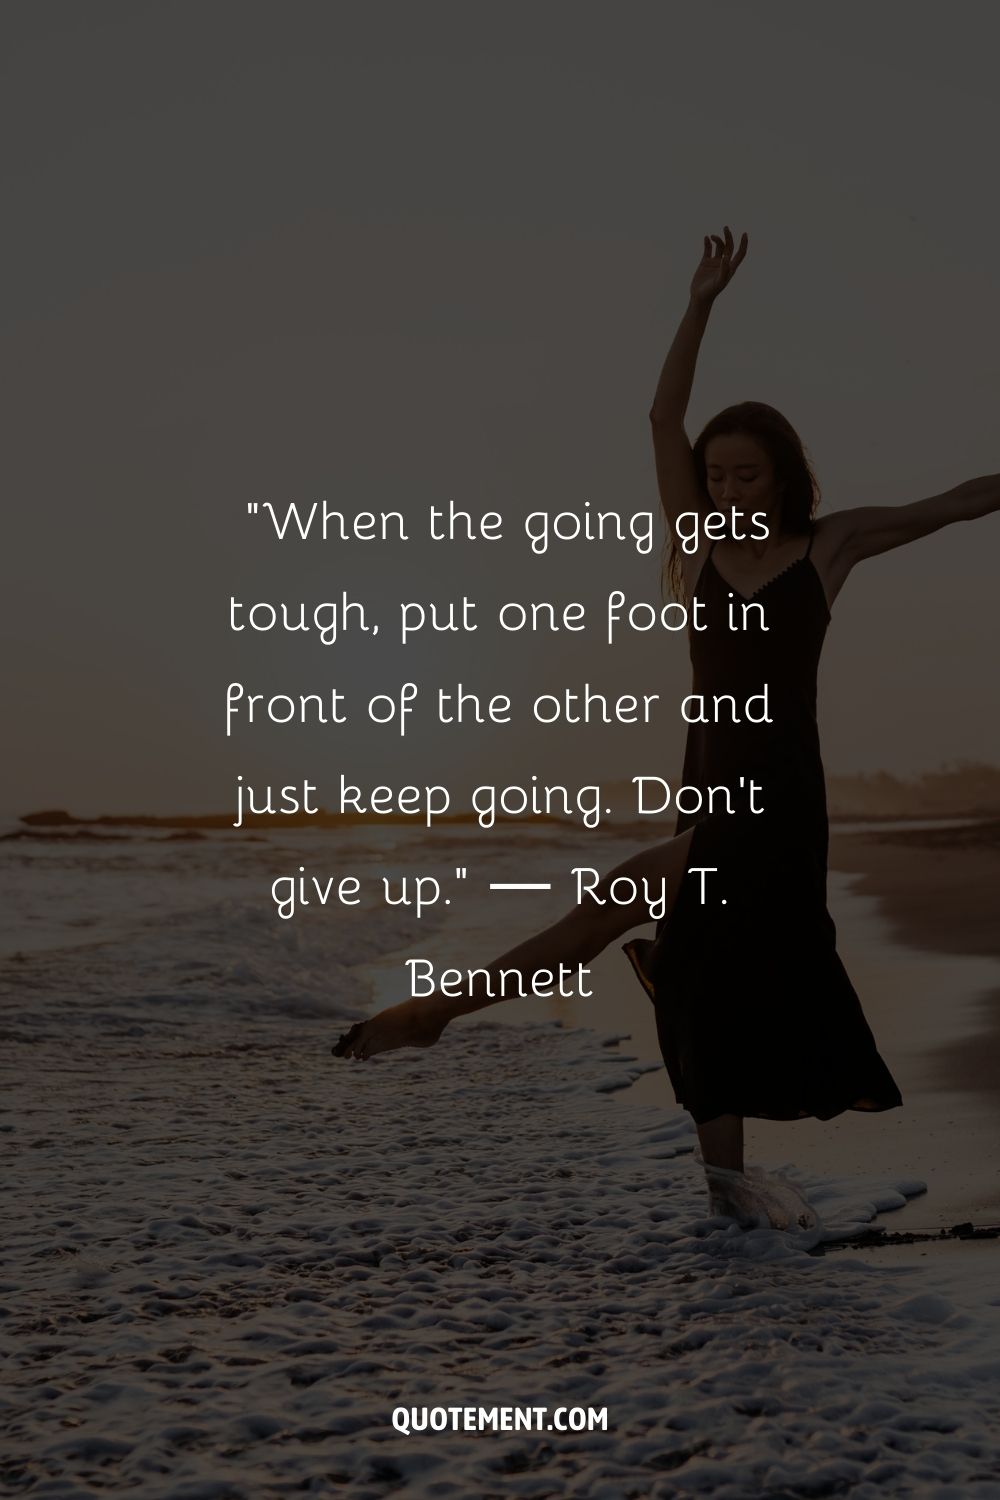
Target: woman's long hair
(793,473)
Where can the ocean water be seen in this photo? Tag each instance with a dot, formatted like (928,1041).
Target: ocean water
(231,1256)
(143,930)
(200,911)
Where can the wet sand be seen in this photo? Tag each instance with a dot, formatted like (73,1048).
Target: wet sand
(937,886)
(937,889)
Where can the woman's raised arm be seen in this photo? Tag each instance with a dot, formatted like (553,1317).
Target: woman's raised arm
(675,471)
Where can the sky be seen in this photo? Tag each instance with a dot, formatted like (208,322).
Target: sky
(389,256)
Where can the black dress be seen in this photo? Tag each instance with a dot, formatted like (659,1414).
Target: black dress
(755,1012)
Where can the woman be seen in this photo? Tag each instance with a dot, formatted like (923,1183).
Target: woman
(755,1013)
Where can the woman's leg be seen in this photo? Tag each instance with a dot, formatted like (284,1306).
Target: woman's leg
(721,1142)
(576,939)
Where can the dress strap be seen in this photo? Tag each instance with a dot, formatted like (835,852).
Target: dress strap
(809,548)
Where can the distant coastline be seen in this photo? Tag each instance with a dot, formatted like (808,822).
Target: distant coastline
(58,823)
(966,790)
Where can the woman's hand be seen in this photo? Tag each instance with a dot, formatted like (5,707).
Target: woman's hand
(716,268)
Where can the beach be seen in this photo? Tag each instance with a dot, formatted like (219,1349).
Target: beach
(230,1256)
(952,912)
(448,445)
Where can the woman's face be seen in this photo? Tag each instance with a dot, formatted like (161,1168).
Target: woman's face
(740,474)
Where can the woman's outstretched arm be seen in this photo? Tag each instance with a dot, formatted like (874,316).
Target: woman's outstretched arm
(867,530)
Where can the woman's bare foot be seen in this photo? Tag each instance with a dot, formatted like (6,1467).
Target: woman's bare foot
(792,1206)
(413,1023)
(757,1197)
